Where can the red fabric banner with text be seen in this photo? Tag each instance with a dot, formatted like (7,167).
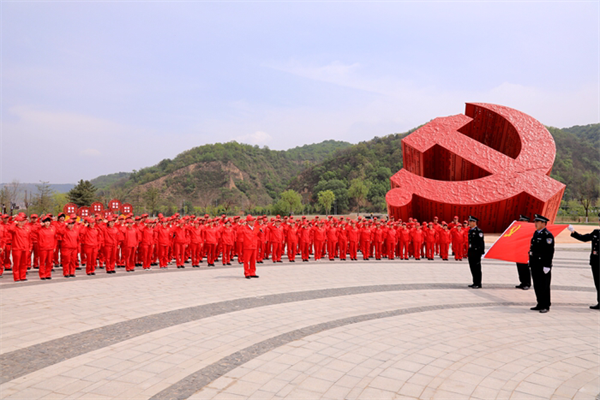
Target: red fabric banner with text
(513,244)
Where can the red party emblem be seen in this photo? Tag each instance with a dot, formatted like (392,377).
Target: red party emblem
(493,162)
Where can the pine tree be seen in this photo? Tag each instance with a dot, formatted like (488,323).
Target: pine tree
(83,194)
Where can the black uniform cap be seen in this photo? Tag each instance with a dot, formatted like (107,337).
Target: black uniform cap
(540,218)
(523,218)
(472,218)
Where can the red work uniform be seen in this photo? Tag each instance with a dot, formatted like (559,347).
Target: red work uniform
(111,239)
(227,241)
(353,235)
(391,240)
(146,245)
(444,243)
(417,238)
(21,243)
(457,243)
(332,241)
(292,242)
(70,247)
(431,236)
(250,239)
(277,238)
(129,246)
(46,239)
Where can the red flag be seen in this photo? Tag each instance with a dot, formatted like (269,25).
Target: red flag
(513,244)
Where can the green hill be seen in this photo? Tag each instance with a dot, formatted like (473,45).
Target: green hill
(374,161)
(229,174)
(237,177)
(591,133)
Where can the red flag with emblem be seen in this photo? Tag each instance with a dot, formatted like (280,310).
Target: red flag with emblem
(513,244)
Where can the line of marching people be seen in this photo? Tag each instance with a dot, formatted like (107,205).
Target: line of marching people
(129,241)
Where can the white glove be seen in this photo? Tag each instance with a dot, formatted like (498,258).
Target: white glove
(546,270)
(570,228)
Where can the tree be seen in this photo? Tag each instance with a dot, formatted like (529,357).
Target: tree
(339,189)
(152,198)
(59,200)
(588,193)
(83,194)
(326,199)
(9,196)
(358,191)
(42,202)
(291,201)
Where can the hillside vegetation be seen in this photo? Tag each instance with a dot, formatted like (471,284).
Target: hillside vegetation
(234,177)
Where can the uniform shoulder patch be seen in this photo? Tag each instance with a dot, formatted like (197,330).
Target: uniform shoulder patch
(480,234)
(549,240)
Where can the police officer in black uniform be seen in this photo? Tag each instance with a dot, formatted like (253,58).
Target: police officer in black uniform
(594,257)
(541,253)
(523,269)
(476,250)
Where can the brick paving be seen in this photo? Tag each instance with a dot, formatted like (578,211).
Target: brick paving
(318,330)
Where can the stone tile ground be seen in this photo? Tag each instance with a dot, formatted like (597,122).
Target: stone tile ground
(331,330)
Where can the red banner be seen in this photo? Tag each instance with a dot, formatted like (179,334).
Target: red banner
(513,244)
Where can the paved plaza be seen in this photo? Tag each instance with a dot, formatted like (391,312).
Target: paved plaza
(318,330)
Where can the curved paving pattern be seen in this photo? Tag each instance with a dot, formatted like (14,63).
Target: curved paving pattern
(169,335)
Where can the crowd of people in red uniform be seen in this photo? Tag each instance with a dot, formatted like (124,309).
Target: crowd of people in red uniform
(129,241)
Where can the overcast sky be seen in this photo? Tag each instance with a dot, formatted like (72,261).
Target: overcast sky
(92,88)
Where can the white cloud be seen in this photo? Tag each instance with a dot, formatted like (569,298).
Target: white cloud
(257,137)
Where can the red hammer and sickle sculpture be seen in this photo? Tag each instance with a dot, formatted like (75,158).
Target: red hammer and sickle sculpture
(493,163)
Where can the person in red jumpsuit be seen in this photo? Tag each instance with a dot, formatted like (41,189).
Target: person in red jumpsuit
(343,240)
(445,239)
(304,233)
(390,240)
(110,234)
(210,242)
(163,241)
(130,244)
(293,234)
(90,239)
(146,230)
(250,239)
(404,240)
(58,224)
(417,238)
(21,243)
(457,242)
(378,238)
(332,240)
(35,225)
(277,239)
(227,241)
(46,236)
(365,240)
(2,244)
(465,231)
(438,228)
(431,238)
(70,245)
(353,238)
(319,237)
(196,233)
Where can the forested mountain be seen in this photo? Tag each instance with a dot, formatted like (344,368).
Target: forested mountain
(237,177)
(229,174)
(591,133)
